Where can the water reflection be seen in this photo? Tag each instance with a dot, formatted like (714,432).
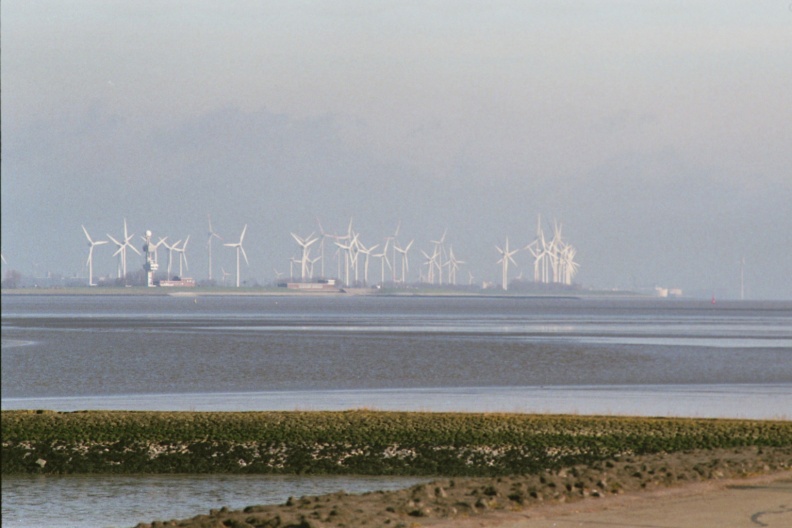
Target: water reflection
(124,500)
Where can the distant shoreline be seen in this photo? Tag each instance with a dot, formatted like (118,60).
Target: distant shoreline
(374,292)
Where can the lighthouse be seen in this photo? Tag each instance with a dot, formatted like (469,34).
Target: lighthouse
(151,260)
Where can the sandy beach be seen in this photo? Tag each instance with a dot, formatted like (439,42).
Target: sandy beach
(725,487)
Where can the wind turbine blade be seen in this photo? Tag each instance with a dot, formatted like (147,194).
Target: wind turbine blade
(244,254)
(87,235)
(116,242)
(242,236)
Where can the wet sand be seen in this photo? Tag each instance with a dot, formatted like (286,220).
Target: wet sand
(698,488)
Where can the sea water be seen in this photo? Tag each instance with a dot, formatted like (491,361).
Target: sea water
(571,355)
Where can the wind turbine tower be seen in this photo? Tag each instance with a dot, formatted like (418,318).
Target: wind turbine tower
(212,235)
(506,256)
(91,244)
(305,244)
(239,249)
(121,251)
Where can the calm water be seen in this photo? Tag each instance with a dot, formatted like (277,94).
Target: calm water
(118,501)
(640,357)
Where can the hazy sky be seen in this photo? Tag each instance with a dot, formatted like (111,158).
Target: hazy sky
(659,133)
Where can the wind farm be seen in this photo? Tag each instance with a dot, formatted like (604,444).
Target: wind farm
(351,260)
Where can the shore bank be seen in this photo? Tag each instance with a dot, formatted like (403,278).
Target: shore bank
(510,500)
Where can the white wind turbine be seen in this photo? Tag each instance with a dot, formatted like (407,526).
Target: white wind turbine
(405,262)
(439,252)
(171,248)
(346,248)
(431,263)
(506,256)
(570,266)
(225,274)
(312,265)
(182,257)
(366,251)
(383,256)
(537,249)
(453,265)
(212,235)
(121,251)
(324,235)
(305,244)
(393,241)
(239,249)
(91,244)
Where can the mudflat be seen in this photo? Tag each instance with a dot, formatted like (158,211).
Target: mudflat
(737,487)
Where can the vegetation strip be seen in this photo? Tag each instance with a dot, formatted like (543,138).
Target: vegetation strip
(352,442)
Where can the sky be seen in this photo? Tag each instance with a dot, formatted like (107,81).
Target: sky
(657,133)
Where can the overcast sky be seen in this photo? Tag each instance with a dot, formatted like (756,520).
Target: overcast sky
(659,133)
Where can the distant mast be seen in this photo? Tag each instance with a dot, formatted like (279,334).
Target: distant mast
(742,279)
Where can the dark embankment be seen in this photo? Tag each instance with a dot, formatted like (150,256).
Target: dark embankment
(354,442)
(481,501)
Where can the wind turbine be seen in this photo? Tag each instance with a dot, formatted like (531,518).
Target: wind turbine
(212,235)
(439,252)
(171,248)
(183,257)
(239,249)
(392,240)
(305,244)
(453,265)
(405,261)
(383,256)
(506,256)
(431,263)
(323,235)
(121,251)
(91,244)
(367,252)
(345,248)
(225,274)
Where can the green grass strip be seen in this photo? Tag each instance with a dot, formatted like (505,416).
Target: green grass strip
(351,442)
